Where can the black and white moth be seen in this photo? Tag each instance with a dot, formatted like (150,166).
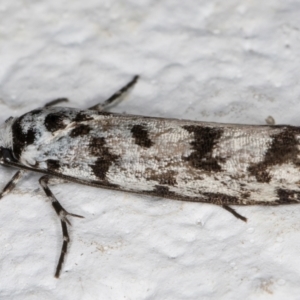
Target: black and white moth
(223,164)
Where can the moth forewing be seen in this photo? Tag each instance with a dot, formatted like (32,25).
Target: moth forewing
(223,164)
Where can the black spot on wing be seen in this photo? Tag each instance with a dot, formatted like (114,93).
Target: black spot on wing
(82,116)
(260,172)
(161,191)
(283,149)
(221,199)
(53,165)
(21,138)
(80,130)
(105,113)
(54,122)
(101,167)
(287,196)
(205,138)
(104,160)
(97,146)
(167,178)
(36,112)
(141,136)
(245,195)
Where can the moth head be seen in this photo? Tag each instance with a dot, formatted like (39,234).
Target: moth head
(6,139)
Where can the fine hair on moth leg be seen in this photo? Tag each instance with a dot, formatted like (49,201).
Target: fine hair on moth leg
(222,164)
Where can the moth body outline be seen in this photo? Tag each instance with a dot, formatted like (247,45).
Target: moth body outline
(223,164)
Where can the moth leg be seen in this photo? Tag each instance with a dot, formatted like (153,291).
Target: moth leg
(117,97)
(62,214)
(12,183)
(56,101)
(237,215)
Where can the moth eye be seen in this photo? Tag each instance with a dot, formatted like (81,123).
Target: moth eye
(8,119)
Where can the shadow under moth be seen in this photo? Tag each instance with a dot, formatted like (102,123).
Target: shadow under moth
(223,164)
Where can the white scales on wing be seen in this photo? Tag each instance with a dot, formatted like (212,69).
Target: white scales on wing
(223,164)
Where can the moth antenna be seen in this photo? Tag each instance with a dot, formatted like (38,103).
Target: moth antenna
(117,97)
(56,101)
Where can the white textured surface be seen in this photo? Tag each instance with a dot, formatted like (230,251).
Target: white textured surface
(226,61)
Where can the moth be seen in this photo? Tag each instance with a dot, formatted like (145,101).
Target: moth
(222,164)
